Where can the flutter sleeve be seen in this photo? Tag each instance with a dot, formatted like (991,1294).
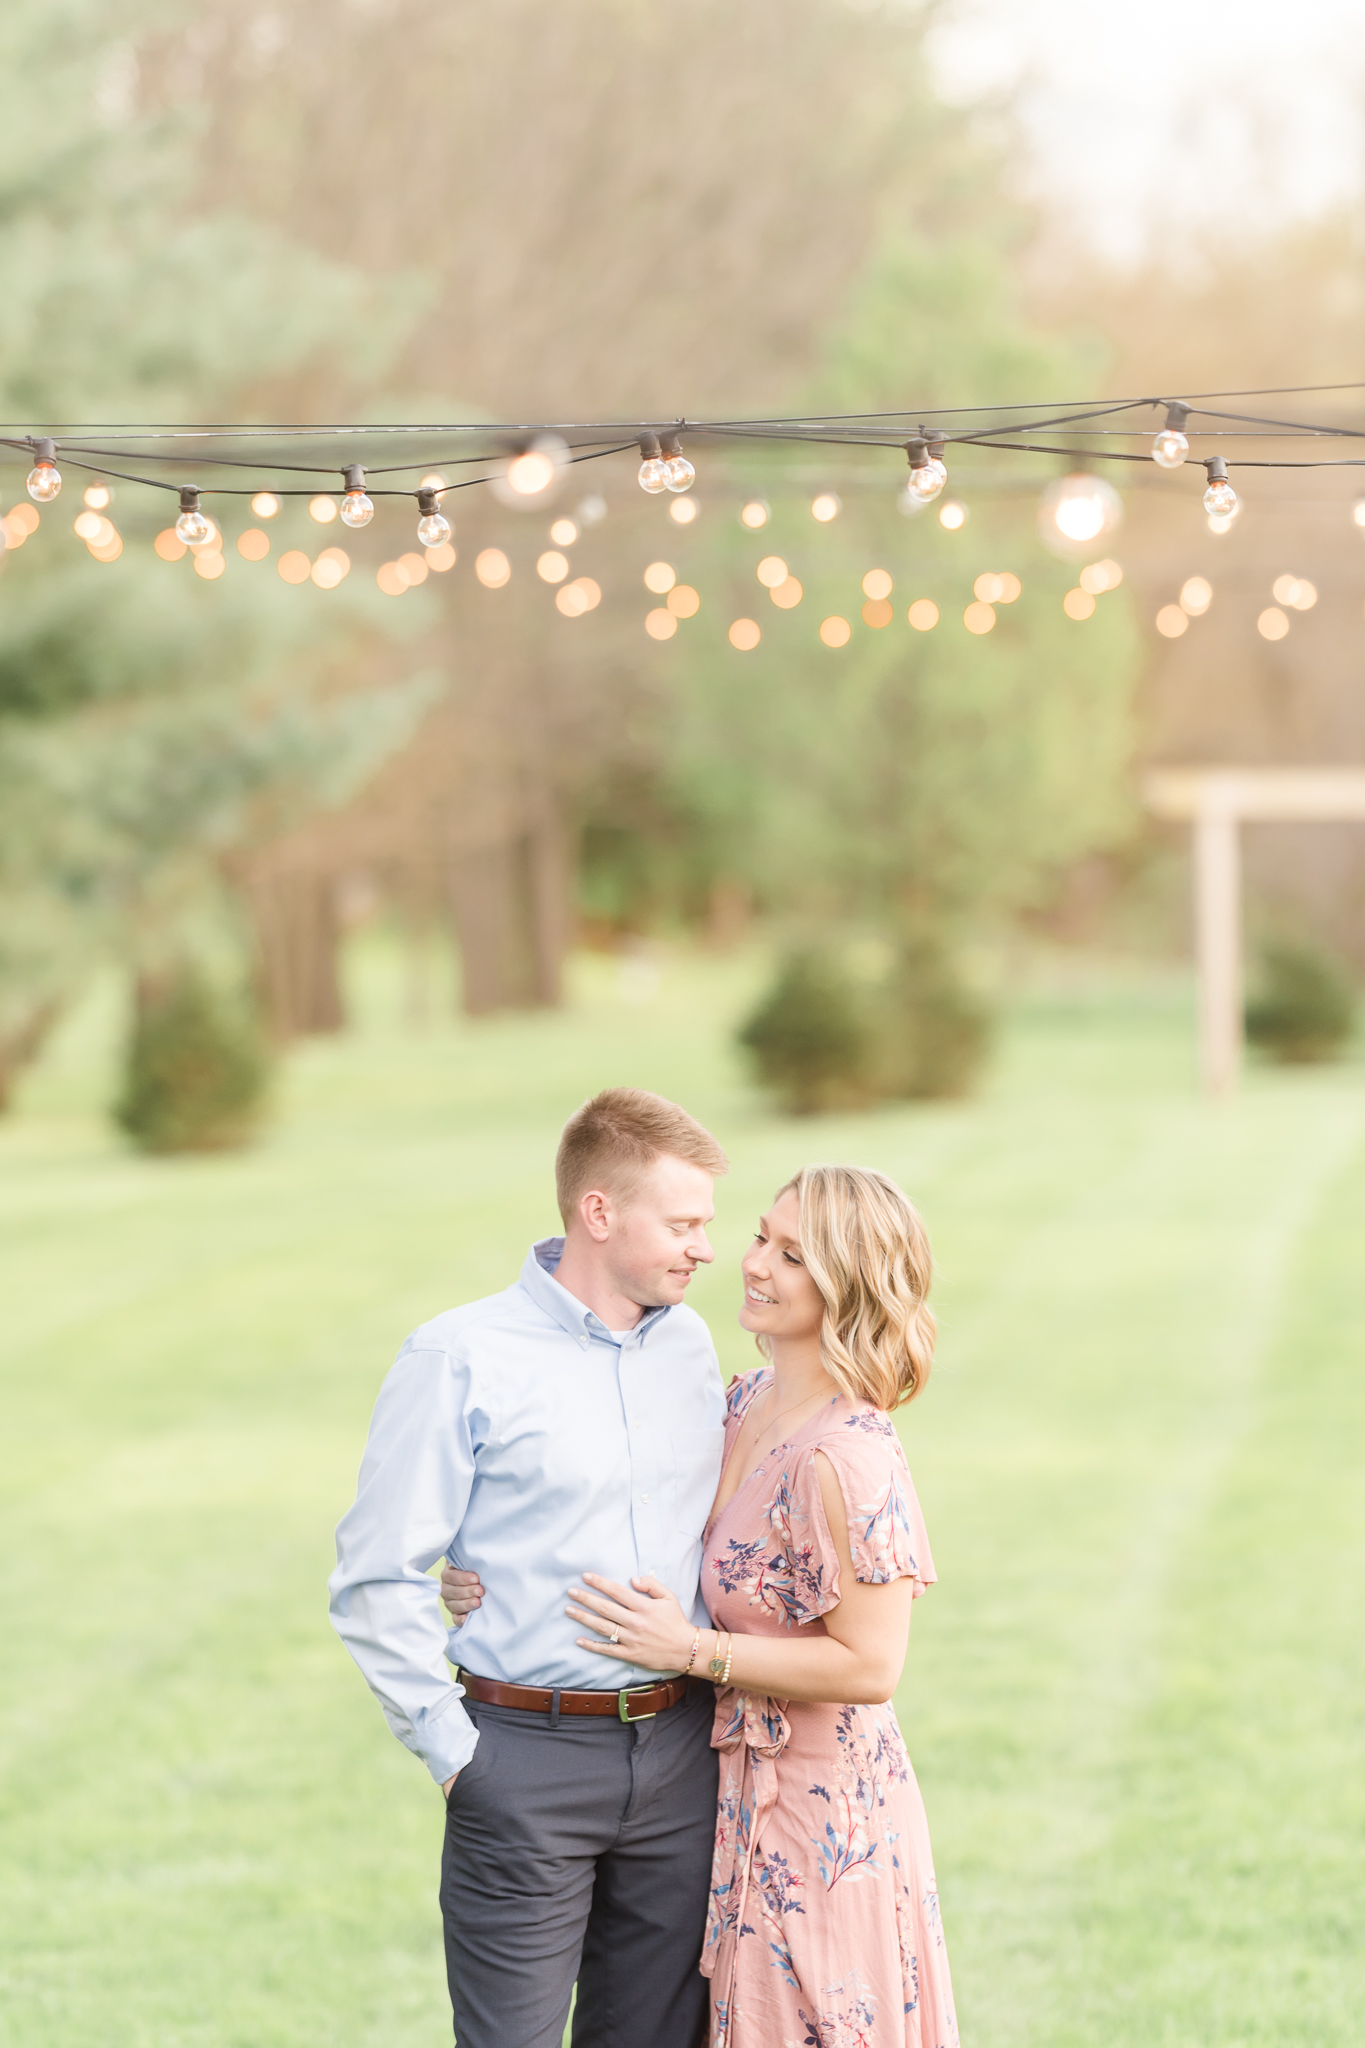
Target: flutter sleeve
(886,1533)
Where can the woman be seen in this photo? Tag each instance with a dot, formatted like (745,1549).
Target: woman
(824,1926)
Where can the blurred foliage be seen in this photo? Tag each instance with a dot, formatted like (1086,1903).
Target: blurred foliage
(835,1030)
(1304,1009)
(809,1038)
(197,1069)
(149,723)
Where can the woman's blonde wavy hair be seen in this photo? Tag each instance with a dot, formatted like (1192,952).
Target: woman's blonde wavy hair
(868,1253)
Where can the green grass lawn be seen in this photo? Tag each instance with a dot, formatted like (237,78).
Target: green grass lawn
(1135,1699)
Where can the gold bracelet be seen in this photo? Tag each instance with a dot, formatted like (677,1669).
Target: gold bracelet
(729,1655)
(696,1645)
(719,1661)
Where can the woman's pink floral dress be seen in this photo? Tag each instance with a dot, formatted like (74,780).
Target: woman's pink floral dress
(824,1927)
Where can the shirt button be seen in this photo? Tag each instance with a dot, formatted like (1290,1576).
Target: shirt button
(644,1496)
(584,1342)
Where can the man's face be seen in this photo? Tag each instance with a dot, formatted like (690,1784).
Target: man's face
(656,1242)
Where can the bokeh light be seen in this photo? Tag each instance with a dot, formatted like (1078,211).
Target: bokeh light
(1272,624)
(660,624)
(771,571)
(1196,595)
(952,515)
(324,510)
(492,568)
(787,594)
(253,545)
(552,567)
(392,579)
(415,567)
(442,558)
(563,533)
(1171,622)
(265,504)
(210,565)
(169,545)
(835,632)
(1079,604)
(683,511)
(745,635)
(825,507)
(97,496)
(753,515)
(877,583)
(683,601)
(877,612)
(923,615)
(295,566)
(979,617)
(659,577)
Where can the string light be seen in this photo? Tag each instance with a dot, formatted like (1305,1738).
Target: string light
(877,612)
(416,568)
(653,476)
(323,509)
(356,508)
(825,506)
(679,475)
(442,558)
(1171,445)
(97,496)
(877,584)
(532,472)
(192,527)
(253,545)
(552,567)
(1272,624)
(330,567)
(952,515)
(835,632)
(1220,500)
(44,479)
(1196,595)
(1076,510)
(1358,513)
(659,577)
(771,571)
(1171,622)
(660,624)
(578,597)
(753,513)
(265,504)
(563,533)
(1097,577)
(294,567)
(928,474)
(979,618)
(1295,591)
(433,528)
(683,601)
(744,634)
(1078,604)
(787,594)
(923,615)
(683,511)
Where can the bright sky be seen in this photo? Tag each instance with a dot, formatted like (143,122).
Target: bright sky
(1137,112)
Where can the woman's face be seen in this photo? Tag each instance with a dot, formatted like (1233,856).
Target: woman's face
(780,1298)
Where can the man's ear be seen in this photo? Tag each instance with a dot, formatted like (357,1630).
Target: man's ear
(597,1213)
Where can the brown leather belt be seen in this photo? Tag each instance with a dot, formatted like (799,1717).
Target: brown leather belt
(635,1703)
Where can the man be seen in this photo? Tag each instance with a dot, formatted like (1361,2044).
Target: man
(572,1423)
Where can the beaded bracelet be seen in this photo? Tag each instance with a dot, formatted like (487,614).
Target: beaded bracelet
(696,1645)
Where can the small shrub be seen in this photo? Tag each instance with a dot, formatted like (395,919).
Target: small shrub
(196,1072)
(1305,1007)
(810,1036)
(934,1031)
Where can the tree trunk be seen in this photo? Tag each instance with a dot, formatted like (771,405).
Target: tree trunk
(297,935)
(510,903)
(21,1044)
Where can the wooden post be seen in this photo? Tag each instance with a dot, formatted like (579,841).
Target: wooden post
(1218,946)
(1215,801)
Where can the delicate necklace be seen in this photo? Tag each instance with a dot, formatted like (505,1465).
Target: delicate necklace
(791,1408)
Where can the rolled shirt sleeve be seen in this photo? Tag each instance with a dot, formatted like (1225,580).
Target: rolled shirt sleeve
(415,1482)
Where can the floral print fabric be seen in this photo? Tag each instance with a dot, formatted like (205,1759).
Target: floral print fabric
(824,1927)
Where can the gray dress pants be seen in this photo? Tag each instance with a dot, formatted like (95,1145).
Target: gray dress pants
(581,1850)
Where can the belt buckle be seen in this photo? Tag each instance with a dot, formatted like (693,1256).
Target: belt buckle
(622,1705)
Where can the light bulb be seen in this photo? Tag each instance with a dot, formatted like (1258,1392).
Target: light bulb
(1170,447)
(928,474)
(44,479)
(357,509)
(653,468)
(679,475)
(191,527)
(1220,500)
(530,476)
(432,529)
(1075,511)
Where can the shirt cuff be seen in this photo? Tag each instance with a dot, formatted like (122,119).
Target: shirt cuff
(448,1740)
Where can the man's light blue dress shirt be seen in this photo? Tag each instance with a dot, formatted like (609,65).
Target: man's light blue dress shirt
(522,1440)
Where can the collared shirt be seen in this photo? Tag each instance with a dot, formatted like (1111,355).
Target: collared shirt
(522,1440)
